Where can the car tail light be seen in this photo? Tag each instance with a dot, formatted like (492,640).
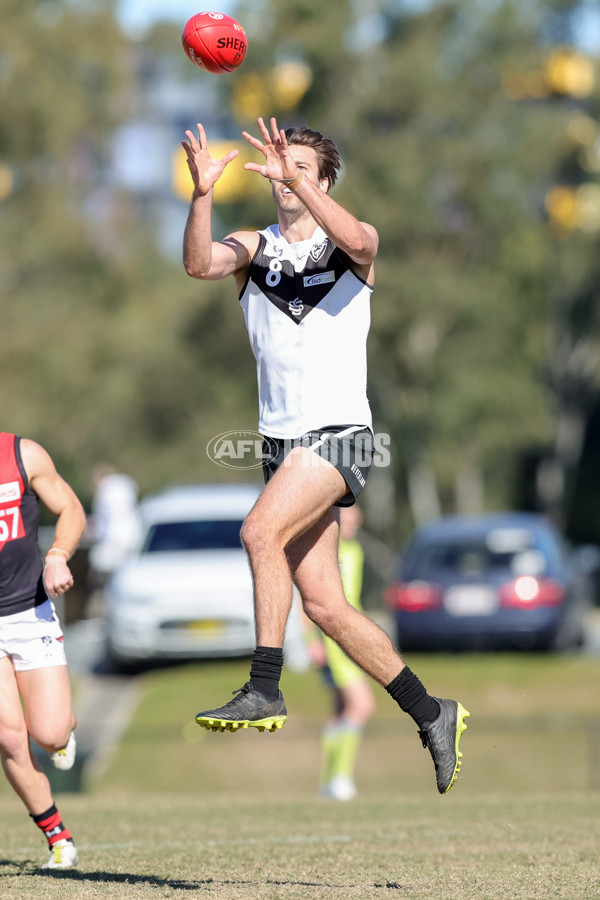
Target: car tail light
(414,596)
(528,592)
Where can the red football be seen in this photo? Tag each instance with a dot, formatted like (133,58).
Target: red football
(214,42)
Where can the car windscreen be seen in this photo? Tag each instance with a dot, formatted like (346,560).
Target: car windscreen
(509,552)
(219,534)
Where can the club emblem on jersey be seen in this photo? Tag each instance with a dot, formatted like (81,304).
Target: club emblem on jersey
(295,307)
(318,250)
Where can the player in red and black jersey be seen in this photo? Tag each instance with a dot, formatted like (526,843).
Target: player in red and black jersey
(35,692)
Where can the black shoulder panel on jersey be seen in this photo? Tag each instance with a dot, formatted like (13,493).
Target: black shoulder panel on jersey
(261,243)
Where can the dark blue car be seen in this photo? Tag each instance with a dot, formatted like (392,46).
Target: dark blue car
(496,581)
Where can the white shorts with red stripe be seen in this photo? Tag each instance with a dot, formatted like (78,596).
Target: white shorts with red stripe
(33,638)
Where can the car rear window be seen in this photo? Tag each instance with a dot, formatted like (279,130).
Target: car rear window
(507,551)
(221,534)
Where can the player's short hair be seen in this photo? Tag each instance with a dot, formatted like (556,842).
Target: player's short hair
(328,157)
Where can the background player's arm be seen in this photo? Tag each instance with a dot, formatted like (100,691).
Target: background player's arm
(60,499)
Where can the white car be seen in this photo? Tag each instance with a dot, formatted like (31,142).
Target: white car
(186,592)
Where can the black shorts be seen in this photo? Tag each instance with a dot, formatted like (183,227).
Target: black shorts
(349,448)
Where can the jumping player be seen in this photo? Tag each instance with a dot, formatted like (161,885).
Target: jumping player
(305,286)
(35,693)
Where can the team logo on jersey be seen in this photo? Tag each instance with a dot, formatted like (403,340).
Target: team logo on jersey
(321,278)
(295,307)
(318,250)
(10,491)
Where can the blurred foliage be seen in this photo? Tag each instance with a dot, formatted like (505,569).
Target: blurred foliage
(110,352)
(485,336)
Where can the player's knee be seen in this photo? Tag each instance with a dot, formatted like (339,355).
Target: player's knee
(13,742)
(51,736)
(250,536)
(319,613)
(256,537)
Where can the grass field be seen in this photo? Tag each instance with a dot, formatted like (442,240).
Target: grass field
(184,812)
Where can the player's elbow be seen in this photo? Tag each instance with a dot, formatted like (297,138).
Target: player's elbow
(364,254)
(191,266)
(366,244)
(194,270)
(362,249)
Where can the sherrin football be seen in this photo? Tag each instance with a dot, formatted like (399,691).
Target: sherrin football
(215,42)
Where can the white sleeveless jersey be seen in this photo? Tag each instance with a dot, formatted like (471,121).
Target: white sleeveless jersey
(308,316)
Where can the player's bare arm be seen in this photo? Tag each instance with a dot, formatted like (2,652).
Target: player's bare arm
(294,169)
(358,239)
(215,260)
(203,257)
(60,499)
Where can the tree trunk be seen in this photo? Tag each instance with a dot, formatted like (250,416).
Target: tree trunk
(469,491)
(422,492)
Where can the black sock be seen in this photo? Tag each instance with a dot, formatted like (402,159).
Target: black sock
(411,696)
(265,671)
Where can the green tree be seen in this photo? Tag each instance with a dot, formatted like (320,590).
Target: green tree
(110,352)
(61,67)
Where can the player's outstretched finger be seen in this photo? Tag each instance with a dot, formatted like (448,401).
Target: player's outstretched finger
(201,136)
(229,156)
(254,167)
(264,130)
(252,140)
(191,141)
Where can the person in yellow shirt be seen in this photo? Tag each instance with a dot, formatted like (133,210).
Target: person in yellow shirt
(352,695)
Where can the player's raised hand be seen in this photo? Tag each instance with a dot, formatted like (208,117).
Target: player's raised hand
(278,165)
(204,169)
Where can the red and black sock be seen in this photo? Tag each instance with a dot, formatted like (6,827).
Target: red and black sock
(412,697)
(51,824)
